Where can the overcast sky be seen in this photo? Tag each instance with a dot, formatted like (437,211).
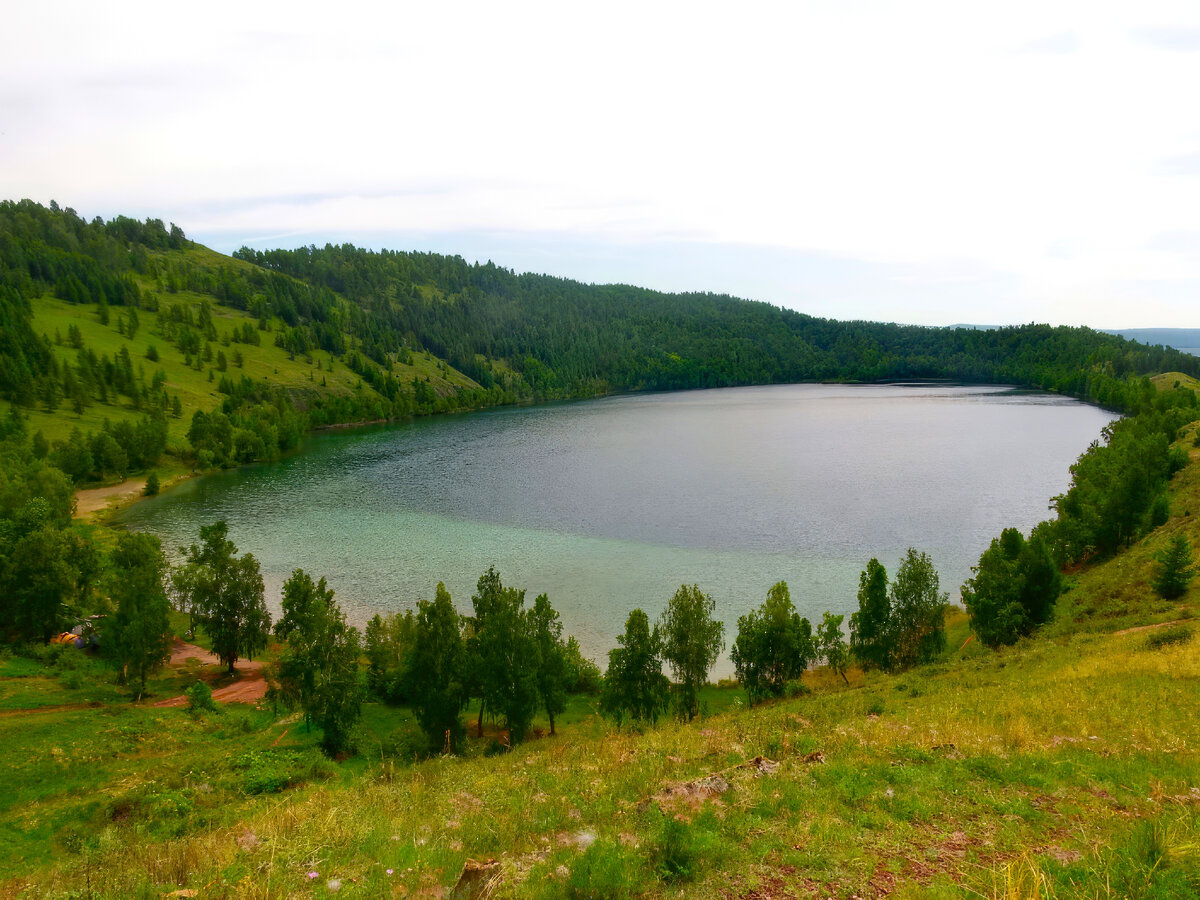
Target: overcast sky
(930,162)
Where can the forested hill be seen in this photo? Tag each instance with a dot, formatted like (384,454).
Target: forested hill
(569,339)
(123,319)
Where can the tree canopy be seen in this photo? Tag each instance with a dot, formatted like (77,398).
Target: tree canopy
(224,593)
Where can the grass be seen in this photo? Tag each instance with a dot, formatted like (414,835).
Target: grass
(53,317)
(1032,769)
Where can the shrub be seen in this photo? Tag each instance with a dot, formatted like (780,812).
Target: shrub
(200,698)
(674,851)
(1168,637)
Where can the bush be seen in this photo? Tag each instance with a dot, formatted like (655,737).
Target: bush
(674,851)
(152,485)
(796,688)
(200,698)
(272,771)
(1168,637)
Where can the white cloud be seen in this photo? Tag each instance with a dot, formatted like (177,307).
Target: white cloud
(940,137)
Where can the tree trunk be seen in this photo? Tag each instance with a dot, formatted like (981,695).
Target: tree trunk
(479,724)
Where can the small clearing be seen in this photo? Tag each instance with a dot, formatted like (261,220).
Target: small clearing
(94,500)
(250,686)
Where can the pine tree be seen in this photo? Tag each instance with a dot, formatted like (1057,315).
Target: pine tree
(1175,570)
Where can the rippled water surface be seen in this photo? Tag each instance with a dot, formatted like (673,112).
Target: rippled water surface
(611,504)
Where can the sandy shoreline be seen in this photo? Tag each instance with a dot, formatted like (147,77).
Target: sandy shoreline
(94,500)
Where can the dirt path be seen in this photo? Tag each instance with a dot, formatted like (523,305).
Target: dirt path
(61,707)
(1149,627)
(94,500)
(250,686)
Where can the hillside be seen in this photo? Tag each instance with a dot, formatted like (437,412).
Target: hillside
(1065,766)
(131,324)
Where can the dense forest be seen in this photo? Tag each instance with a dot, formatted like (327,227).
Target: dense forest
(571,339)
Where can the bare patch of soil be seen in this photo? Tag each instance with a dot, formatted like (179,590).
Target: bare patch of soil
(94,500)
(60,707)
(249,687)
(1149,627)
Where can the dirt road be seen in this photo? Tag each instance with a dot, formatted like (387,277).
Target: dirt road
(249,687)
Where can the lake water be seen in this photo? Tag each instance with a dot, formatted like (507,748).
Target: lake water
(611,504)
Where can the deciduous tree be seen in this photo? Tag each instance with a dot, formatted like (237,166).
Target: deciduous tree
(552,671)
(774,645)
(918,612)
(224,593)
(634,685)
(870,627)
(1013,589)
(691,640)
(137,637)
(437,683)
(831,646)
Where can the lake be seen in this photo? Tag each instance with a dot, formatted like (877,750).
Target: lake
(611,504)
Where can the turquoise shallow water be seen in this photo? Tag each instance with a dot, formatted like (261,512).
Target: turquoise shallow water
(611,504)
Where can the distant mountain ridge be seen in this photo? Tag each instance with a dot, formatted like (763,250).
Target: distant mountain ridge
(1186,339)
(1180,338)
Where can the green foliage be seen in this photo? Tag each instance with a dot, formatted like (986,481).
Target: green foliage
(1169,637)
(319,667)
(606,870)
(200,698)
(388,643)
(553,666)
(1175,568)
(902,625)
(691,642)
(870,637)
(137,637)
(831,646)
(1117,487)
(634,684)
(774,645)
(918,615)
(152,485)
(270,771)
(1013,589)
(438,672)
(504,654)
(224,593)
(583,675)
(543,337)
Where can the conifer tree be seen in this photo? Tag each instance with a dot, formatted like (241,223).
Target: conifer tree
(1175,570)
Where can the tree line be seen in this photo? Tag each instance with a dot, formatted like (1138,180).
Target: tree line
(1117,495)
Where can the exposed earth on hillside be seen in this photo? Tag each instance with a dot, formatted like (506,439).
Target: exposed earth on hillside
(250,686)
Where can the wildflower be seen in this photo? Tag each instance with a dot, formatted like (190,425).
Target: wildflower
(312,875)
(389,871)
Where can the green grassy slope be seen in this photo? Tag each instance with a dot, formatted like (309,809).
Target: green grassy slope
(316,372)
(1068,765)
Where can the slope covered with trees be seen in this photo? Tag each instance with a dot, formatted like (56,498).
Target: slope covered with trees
(565,338)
